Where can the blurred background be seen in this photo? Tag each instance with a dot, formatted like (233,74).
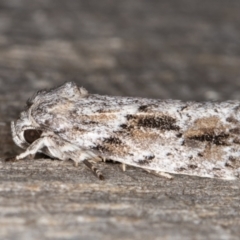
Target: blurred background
(183,49)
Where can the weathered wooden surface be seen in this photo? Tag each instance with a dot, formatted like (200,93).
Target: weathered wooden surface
(167,49)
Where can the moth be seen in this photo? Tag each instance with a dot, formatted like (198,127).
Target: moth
(165,136)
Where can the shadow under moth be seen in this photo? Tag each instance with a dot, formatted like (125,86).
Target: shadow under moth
(164,136)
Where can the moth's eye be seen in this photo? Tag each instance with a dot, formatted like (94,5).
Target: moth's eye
(31,135)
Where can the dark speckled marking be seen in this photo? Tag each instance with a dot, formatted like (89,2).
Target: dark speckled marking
(163,122)
(47,122)
(124,126)
(74,112)
(179,135)
(130,116)
(100,148)
(146,161)
(101,110)
(112,140)
(90,122)
(181,169)
(215,139)
(235,131)
(232,120)
(227,164)
(233,162)
(143,108)
(150,157)
(192,166)
(236,140)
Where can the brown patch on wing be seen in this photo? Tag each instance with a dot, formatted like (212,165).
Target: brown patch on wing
(146,136)
(210,135)
(213,152)
(192,143)
(63,106)
(208,130)
(206,123)
(98,118)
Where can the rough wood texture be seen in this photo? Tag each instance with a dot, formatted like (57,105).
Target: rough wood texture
(170,49)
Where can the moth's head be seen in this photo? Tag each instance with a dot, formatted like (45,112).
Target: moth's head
(23,131)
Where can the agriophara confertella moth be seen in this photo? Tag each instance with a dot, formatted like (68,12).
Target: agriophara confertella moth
(166,136)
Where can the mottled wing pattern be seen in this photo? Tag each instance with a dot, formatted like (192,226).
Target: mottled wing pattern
(171,136)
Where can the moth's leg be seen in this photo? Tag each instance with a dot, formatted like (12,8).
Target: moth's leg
(159,174)
(124,166)
(87,157)
(94,169)
(30,151)
(63,151)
